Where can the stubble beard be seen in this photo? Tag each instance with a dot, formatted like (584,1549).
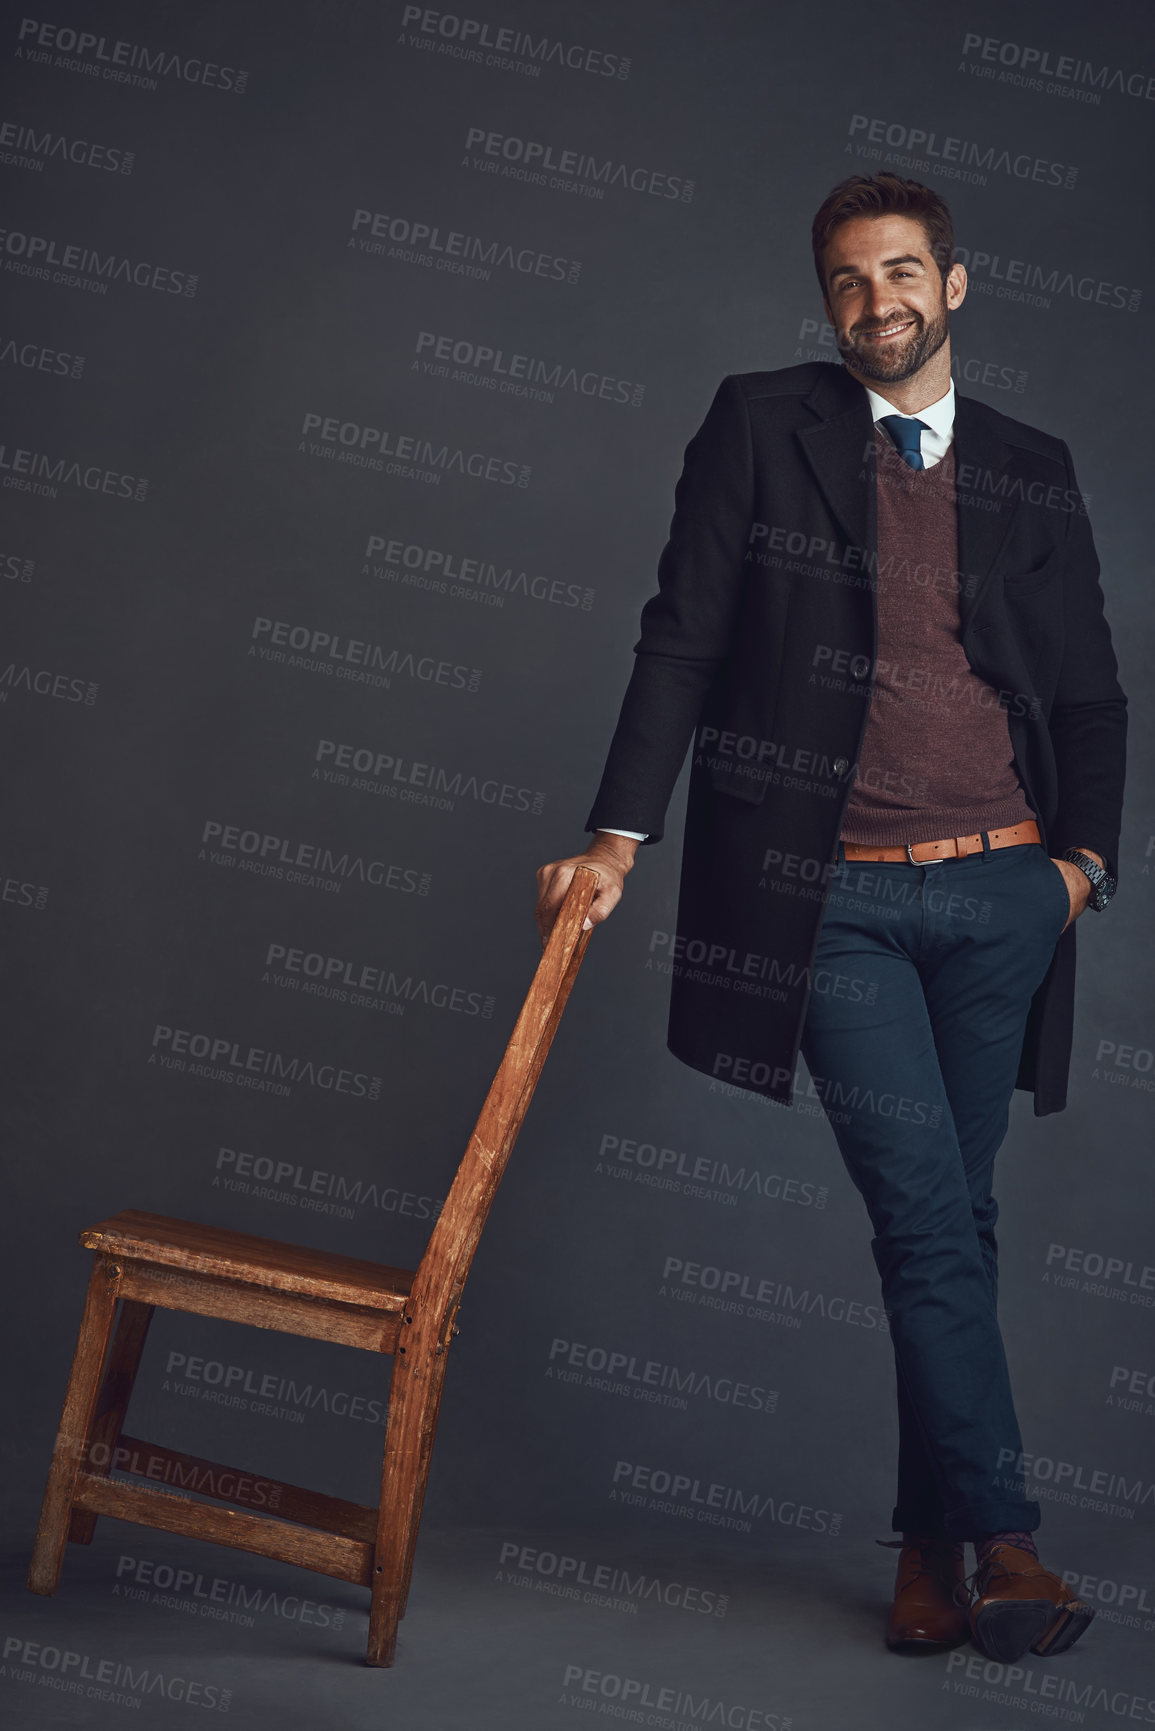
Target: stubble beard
(895,361)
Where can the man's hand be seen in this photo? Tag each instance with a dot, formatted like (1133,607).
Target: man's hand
(611,856)
(1078,883)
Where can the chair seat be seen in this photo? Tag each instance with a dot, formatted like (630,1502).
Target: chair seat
(239,1256)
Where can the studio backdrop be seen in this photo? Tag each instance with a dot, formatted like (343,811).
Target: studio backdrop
(348,357)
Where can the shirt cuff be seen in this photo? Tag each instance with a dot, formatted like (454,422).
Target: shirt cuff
(634,835)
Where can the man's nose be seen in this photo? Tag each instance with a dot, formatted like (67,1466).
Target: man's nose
(880,301)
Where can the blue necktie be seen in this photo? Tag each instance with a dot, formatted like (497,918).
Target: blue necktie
(906,431)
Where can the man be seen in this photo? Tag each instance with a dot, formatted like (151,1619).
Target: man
(879,620)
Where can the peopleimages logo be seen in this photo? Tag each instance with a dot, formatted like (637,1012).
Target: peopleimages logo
(650,1379)
(39,358)
(1020,63)
(117,1682)
(605,1584)
(736,1292)
(1101,1275)
(541,164)
(265,1072)
(26,471)
(319,650)
(310,864)
(965,370)
(241,1386)
(121,62)
(716,1504)
(1140,1390)
(954,157)
(16,567)
(650,1703)
(83,267)
(474,578)
(1041,1692)
(366,985)
(1124,1064)
(502,46)
(517,375)
(1125,1595)
(394,777)
(701,1175)
(723,962)
(1020,279)
(225,1600)
(1078,1485)
(17,893)
(314,1190)
(203,1478)
(414,458)
(453,251)
(28,148)
(46,682)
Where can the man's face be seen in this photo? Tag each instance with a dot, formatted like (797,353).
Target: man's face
(888,304)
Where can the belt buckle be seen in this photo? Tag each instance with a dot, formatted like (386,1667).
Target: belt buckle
(910,856)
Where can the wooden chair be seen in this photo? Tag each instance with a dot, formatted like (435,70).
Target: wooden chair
(143,1260)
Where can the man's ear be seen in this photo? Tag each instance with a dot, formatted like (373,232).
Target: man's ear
(956,286)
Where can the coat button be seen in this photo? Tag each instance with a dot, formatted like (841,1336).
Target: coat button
(840,766)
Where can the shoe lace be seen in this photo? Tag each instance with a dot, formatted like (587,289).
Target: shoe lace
(986,1572)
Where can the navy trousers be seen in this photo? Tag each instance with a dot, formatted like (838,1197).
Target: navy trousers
(922,981)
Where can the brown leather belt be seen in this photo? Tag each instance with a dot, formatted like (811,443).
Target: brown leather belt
(951,847)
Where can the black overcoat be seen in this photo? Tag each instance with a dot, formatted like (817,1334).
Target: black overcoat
(758,651)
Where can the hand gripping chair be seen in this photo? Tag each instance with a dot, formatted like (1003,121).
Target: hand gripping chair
(143,1260)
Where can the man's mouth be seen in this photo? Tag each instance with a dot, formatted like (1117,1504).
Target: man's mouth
(888,332)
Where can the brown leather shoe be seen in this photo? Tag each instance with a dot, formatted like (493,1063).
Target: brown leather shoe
(1018,1604)
(925,1614)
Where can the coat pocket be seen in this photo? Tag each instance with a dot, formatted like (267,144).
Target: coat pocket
(741,781)
(1059,885)
(1024,582)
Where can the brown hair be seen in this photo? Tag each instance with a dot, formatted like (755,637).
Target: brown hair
(884,194)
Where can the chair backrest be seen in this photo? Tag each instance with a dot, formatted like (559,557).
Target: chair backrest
(445,1265)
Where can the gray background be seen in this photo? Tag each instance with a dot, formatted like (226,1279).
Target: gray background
(117,918)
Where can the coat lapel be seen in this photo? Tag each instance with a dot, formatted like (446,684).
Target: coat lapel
(986,506)
(839,448)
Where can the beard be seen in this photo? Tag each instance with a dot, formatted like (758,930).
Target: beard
(898,360)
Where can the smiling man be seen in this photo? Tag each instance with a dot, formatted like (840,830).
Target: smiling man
(880,624)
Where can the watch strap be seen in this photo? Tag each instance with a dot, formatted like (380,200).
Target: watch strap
(1103,885)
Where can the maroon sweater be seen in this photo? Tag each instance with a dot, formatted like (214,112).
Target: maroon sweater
(936,756)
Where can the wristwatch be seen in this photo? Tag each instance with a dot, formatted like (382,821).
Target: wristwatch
(1103,885)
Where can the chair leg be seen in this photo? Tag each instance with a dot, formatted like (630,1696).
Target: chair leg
(112,1406)
(75,1422)
(418,1503)
(414,1403)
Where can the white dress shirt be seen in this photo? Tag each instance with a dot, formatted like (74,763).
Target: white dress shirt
(934,442)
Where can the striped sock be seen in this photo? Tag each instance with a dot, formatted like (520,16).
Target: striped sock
(1021,1541)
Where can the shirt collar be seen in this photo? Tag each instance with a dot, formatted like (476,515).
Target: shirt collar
(939,417)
